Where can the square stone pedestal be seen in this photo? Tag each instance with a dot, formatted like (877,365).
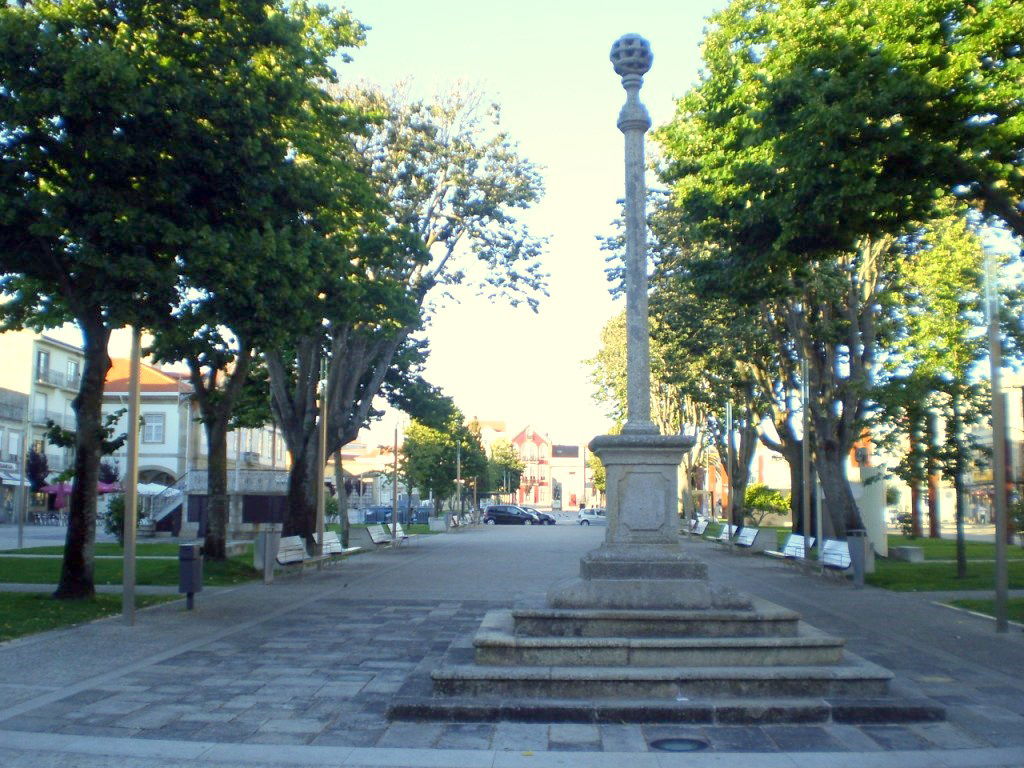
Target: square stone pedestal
(641,565)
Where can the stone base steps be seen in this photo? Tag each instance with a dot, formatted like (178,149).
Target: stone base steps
(854,678)
(703,712)
(497,644)
(763,620)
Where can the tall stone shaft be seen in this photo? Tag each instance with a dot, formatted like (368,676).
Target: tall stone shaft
(631,57)
(640,565)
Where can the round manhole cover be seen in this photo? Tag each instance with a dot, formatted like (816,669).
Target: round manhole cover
(679,745)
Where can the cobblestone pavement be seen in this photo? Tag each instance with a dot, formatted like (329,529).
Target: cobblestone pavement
(315,660)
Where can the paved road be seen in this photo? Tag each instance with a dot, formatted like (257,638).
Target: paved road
(301,672)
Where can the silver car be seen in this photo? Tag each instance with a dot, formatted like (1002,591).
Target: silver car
(592,516)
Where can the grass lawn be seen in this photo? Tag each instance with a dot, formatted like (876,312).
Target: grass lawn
(25,570)
(30,612)
(930,577)
(143,548)
(1015,607)
(945,549)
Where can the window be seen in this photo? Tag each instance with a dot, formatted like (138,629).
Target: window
(42,363)
(42,405)
(73,373)
(153,427)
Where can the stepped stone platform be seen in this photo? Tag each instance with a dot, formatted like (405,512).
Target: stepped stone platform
(725,666)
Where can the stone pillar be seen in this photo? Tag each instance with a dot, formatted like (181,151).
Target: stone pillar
(631,58)
(641,564)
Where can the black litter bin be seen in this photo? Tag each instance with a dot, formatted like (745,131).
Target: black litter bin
(190,571)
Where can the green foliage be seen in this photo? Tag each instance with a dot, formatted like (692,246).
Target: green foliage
(504,467)
(761,501)
(905,522)
(1016,512)
(37,467)
(331,508)
(892,495)
(431,457)
(109,444)
(817,124)
(113,518)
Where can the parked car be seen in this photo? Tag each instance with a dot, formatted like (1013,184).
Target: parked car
(543,517)
(508,514)
(383,514)
(592,516)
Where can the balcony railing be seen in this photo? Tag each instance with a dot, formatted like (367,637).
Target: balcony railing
(65,420)
(11,412)
(58,379)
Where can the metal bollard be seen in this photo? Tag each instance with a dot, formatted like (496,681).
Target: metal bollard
(190,572)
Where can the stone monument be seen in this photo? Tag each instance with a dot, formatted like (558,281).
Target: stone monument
(640,635)
(641,564)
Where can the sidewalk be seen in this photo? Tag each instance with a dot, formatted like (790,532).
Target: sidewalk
(301,672)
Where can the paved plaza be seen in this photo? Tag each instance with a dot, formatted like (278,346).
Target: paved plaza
(301,672)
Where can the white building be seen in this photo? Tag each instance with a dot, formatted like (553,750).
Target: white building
(43,374)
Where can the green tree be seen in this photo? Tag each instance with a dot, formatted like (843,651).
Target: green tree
(277,215)
(504,467)
(943,315)
(93,110)
(759,501)
(453,181)
(818,124)
(431,457)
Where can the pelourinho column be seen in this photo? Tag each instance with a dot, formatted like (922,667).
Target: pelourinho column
(640,565)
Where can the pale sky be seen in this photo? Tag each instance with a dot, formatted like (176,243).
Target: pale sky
(546,63)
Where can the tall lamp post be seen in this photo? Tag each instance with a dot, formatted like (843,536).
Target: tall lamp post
(131,492)
(321,462)
(998,443)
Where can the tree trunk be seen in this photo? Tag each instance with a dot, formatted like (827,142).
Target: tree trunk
(915,508)
(339,484)
(796,495)
(215,542)
(302,479)
(934,523)
(959,468)
(841,506)
(76,571)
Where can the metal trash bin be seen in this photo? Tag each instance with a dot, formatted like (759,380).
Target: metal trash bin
(190,571)
(858,542)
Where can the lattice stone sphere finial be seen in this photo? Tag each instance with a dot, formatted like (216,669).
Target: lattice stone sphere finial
(631,55)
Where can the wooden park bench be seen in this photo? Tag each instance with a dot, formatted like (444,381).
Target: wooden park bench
(291,551)
(793,549)
(724,537)
(697,526)
(750,539)
(379,535)
(332,548)
(835,554)
(402,535)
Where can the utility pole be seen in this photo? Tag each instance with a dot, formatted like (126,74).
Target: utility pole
(730,461)
(805,460)
(998,442)
(394,491)
(23,489)
(321,457)
(131,491)
(458,472)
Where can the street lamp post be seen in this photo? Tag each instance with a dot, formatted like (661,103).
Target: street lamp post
(998,444)
(131,492)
